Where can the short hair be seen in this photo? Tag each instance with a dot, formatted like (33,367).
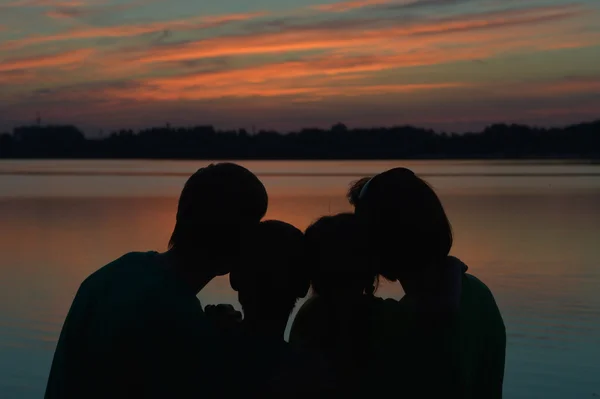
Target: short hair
(275,275)
(405,220)
(217,206)
(355,189)
(336,251)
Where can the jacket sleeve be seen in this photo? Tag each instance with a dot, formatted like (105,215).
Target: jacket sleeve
(64,380)
(494,353)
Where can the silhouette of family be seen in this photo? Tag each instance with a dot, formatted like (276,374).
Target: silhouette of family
(136,328)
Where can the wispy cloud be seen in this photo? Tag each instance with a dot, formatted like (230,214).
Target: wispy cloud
(130,30)
(16,77)
(348,5)
(62,13)
(45,3)
(385,5)
(320,56)
(148,93)
(357,35)
(46,61)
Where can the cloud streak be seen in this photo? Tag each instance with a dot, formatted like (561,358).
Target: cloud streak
(148,93)
(122,31)
(348,5)
(16,77)
(352,36)
(46,61)
(44,3)
(369,53)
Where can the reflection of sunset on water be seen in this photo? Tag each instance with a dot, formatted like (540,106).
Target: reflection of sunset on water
(533,244)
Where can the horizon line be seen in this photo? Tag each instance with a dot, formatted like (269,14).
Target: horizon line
(103,133)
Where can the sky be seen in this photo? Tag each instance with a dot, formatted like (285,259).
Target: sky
(452,65)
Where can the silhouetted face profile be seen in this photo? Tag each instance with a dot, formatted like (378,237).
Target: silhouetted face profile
(407,227)
(218,207)
(273,276)
(337,257)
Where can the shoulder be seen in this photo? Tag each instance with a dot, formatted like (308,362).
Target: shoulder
(130,280)
(477,288)
(482,300)
(121,265)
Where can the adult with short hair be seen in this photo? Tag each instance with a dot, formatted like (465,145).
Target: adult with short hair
(136,327)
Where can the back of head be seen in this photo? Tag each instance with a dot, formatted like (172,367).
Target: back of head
(274,276)
(355,189)
(405,220)
(217,207)
(337,258)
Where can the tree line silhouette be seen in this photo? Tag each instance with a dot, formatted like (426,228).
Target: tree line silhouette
(499,141)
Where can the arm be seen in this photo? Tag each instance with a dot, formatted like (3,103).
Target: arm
(492,370)
(64,379)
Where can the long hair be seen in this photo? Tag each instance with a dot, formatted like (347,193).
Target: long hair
(405,220)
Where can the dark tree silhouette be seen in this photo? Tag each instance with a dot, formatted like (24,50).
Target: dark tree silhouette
(499,141)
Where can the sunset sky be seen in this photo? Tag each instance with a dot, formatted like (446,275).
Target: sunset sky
(286,64)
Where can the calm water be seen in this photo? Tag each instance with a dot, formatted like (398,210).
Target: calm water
(529,230)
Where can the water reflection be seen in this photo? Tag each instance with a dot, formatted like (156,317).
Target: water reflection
(538,253)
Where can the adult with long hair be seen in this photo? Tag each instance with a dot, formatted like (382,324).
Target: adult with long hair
(457,339)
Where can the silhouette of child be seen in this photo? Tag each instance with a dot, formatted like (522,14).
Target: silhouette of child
(268,287)
(343,320)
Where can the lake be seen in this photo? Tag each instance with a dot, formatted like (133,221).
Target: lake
(530,230)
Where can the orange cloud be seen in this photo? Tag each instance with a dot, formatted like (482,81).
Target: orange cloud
(271,90)
(16,77)
(129,30)
(313,77)
(45,3)
(46,61)
(349,36)
(348,5)
(354,68)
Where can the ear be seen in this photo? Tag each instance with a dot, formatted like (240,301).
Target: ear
(234,281)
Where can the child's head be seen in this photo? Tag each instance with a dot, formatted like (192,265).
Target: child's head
(275,275)
(335,252)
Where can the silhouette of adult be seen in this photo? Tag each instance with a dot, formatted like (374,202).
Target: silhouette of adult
(268,287)
(136,327)
(343,320)
(457,339)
